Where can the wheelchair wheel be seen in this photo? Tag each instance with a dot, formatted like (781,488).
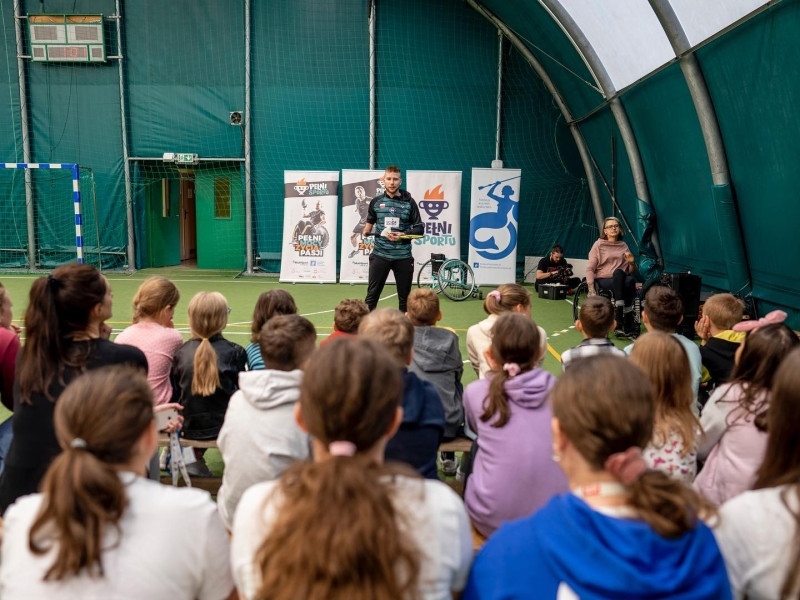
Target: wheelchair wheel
(456,280)
(581,293)
(427,279)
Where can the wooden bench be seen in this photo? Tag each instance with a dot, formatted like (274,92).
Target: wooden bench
(212,484)
(459,444)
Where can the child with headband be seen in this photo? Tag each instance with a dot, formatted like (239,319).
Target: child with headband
(734,419)
(348,526)
(509,297)
(512,473)
(624,531)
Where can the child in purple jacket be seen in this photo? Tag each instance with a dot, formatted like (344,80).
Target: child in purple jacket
(513,473)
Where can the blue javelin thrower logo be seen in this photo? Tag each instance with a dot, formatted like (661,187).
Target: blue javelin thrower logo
(505,217)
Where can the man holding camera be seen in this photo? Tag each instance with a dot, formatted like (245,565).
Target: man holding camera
(554,268)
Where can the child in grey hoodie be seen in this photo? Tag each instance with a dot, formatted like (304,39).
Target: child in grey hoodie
(260,438)
(437,357)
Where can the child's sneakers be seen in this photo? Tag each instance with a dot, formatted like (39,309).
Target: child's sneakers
(449,464)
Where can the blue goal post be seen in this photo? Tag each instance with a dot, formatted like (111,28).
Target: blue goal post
(76,195)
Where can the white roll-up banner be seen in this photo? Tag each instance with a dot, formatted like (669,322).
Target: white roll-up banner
(309,226)
(358,189)
(493,225)
(438,195)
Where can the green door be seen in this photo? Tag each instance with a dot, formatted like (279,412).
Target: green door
(220,219)
(163,223)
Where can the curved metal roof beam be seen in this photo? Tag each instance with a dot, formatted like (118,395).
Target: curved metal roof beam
(728,210)
(698,90)
(599,72)
(582,45)
(583,150)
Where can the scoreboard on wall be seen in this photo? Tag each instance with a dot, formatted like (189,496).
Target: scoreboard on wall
(66,38)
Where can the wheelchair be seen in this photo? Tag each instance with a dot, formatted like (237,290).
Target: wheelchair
(449,276)
(582,292)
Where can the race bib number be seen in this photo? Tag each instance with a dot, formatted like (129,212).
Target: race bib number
(393,222)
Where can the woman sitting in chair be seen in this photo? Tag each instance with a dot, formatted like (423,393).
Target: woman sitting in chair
(611,267)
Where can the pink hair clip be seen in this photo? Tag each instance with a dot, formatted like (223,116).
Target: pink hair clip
(776,316)
(496,295)
(512,369)
(342,448)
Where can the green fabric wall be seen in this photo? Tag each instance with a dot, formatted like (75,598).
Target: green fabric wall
(678,175)
(74,118)
(546,40)
(184,72)
(754,80)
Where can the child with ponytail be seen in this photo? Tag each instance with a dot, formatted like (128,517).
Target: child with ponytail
(676,432)
(512,473)
(205,372)
(347,526)
(509,297)
(735,417)
(624,530)
(98,528)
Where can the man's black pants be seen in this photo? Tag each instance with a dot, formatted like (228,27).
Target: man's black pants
(379,269)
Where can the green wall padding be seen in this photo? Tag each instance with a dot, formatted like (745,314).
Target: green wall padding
(755,84)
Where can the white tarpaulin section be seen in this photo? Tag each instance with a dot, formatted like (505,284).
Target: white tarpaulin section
(629,40)
(702,20)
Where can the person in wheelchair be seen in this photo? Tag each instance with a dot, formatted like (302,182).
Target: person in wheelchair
(554,268)
(611,267)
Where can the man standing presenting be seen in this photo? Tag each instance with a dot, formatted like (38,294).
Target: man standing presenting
(391,216)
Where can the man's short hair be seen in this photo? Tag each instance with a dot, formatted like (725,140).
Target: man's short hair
(596,316)
(557,248)
(664,308)
(723,310)
(423,307)
(392,169)
(392,329)
(348,314)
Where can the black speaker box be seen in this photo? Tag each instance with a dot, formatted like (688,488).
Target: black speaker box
(688,287)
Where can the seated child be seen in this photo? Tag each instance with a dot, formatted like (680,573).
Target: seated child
(269,304)
(718,348)
(663,311)
(595,322)
(260,438)
(417,441)
(437,357)
(348,526)
(734,420)
(205,373)
(509,297)
(346,318)
(513,473)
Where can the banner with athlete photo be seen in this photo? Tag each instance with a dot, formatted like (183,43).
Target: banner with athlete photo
(493,225)
(438,195)
(358,189)
(309,226)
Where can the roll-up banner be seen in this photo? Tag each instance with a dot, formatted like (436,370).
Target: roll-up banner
(309,226)
(438,195)
(493,225)
(358,189)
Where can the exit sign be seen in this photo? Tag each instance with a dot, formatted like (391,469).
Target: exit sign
(186,158)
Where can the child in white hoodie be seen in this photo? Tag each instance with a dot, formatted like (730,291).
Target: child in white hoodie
(260,438)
